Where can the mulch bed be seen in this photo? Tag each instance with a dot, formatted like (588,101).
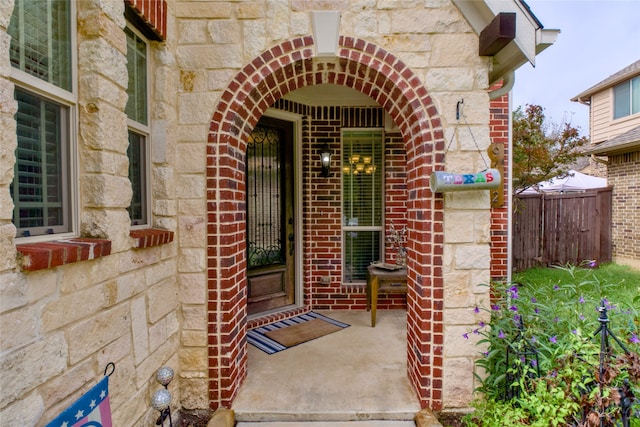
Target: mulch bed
(450,419)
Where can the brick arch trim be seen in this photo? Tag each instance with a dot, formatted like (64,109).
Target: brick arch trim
(269,77)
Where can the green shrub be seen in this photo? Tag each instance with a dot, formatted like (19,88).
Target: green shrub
(542,361)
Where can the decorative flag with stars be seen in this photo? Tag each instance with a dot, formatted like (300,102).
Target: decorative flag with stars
(91,410)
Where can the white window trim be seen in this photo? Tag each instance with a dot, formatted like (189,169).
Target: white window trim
(68,99)
(631,114)
(144,130)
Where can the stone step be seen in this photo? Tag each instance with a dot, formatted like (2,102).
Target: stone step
(424,418)
(327,424)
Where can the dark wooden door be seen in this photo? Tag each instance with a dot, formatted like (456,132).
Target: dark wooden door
(270,216)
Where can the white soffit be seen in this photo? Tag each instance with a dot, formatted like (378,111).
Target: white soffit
(530,39)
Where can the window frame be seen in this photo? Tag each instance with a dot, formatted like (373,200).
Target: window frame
(345,228)
(45,90)
(143,131)
(629,90)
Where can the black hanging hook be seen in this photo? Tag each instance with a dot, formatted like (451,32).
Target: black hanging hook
(110,368)
(459,108)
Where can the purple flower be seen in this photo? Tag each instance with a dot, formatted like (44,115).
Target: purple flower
(556,287)
(537,310)
(465,336)
(501,334)
(581,300)
(476,331)
(553,339)
(513,292)
(574,331)
(513,308)
(495,307)
(581,317)
(634,338)
(556,319)
(534,363)
(534,300)
(476,310)
(534,339)
(516,318)
(481,324)
(486,353)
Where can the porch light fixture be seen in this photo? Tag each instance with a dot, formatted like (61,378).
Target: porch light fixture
(161,399)
(325,160)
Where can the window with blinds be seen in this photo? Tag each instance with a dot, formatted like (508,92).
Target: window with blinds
(40,187)
(41,47)
(362,196)
(137,112)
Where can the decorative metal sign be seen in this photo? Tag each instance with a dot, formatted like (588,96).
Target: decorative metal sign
(487,179)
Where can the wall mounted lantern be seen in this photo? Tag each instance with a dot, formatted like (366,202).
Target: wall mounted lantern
(325,160)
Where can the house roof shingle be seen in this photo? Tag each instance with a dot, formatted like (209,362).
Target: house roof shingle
(628,141)
(624,74)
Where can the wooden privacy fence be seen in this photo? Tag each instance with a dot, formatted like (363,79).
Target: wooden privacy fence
(550,229)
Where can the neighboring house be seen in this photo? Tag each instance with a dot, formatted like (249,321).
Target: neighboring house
(614,126)
(141,143)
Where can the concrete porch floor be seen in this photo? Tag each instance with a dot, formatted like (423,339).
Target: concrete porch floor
(356,374)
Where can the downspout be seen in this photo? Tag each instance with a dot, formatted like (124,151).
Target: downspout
(508,81)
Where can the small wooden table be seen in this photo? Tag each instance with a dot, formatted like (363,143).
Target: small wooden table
(381,280)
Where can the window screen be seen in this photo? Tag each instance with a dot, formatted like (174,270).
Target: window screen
(41,40)
(626,98)
(137,70)
(137,113)
(362,195)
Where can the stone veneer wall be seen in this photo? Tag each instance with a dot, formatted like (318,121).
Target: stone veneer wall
(142,308)
(66,309)
(624,176)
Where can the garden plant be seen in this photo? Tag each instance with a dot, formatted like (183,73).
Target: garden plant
(542,363)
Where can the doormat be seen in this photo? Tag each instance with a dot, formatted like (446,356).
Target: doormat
(287,333)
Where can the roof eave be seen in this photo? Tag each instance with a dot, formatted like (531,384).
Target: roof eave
(585,96)
(530,40)
(613,150)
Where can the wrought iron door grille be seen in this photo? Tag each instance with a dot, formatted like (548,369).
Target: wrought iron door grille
(264,198)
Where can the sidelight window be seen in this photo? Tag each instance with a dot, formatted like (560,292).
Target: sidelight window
(362,196)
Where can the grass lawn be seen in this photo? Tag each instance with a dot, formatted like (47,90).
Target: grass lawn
(618,283)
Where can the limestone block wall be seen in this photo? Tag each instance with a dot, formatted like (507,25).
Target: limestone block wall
(145,307)
(60,326)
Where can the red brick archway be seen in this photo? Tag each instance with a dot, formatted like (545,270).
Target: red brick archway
(286,67)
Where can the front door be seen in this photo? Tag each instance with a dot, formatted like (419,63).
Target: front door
(270,216)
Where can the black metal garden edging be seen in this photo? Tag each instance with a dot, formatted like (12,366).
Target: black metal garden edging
(626,396)
(520,353)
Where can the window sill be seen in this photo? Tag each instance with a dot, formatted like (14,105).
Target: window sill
(149,237)
(44,255)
